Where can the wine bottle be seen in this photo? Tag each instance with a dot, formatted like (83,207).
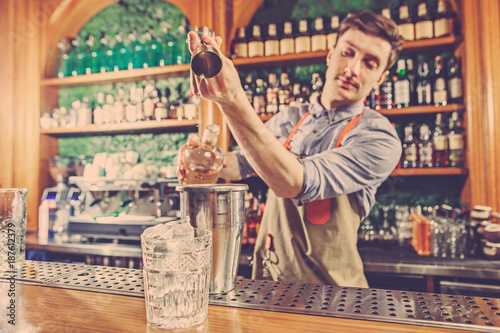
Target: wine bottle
(410,149)
(454,80)
(287,41)
(303,38)
(259,98)
(401,85)
(444,22)
(204,163)
(387,92)
(425,147)
(424,86)
(284,92)
(439,93)
(424,26)
(440,140)
(272,94)
(456,141)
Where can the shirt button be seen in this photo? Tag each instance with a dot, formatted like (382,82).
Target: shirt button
(315,132)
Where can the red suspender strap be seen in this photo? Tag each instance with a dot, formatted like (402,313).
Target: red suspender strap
(292,133)
(318,211)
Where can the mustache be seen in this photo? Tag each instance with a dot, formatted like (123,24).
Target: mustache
(348,80)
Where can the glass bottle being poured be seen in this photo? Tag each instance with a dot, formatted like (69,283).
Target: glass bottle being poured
(204,162)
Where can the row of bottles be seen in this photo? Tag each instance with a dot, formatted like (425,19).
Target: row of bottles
(441,147)
(417,82)
(419,23)
(321,33)
(139,103)
(99,54)
(271,96)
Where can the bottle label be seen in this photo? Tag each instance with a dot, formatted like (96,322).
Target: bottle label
(241,50)
(302,44)
(256,49)
(456,141)
(286,46)
(440,142)
(318,43)
(407,30)
(161,113)
(425,155)
(440,97)
(331,39)
(423,29)
(455,87)
(411,154)
(271,48)
(443,27)
(402,92)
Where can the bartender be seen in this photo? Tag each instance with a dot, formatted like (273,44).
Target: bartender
(323,162)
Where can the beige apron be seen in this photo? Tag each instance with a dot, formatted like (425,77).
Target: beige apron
(292,249)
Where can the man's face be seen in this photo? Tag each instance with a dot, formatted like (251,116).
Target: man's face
(355,66)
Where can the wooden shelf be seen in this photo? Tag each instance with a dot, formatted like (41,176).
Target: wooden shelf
(303,58)
(421,109)
(122,128)
(118,76)
(429,172)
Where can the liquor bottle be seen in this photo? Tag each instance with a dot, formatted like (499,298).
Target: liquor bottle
(425,147)
(296,98)
(204,163)
(456,141)
(108,109)
(170,49)
(387,92)
(421,231)
(120,53)
(87,56)
(84,114)
(454,80)
(136,50)
(318,38)
(316,87)
(259,98)
(424,86)
(440,140)
(102,58)
(411,75)
(405,24)
(401,85)
(284,92)
(272,43)
(272,94)
(131,105)
(153,49)
(149,106)
(287,41)
(177,106)
(444,22)
(373,100)
(73,61)
(240,44)
(191,107)
(118,107)
(62,59)
(249,88)
(98,109)
(255,43)
(303,38)
(183,54)
(161,106)
(439,93)
(410,149)
(331,38)
(139,102)
(424,26)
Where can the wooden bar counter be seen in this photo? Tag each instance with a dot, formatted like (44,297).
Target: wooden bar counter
(52,300)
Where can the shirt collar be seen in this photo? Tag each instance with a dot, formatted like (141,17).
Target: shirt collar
(336,114)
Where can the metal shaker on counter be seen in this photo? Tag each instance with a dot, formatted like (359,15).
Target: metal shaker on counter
(205,60)
(220,208)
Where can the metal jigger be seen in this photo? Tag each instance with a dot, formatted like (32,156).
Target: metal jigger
(205,60)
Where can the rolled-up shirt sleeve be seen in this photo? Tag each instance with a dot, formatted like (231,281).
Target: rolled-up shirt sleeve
(366,158)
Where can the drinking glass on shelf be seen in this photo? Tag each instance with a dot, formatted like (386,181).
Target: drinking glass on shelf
(404,224)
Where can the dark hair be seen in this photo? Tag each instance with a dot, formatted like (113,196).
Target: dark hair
(376,25)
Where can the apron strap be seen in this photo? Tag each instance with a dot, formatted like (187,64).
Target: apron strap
(318,211)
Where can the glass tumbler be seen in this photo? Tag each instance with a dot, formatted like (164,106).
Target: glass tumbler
(176,278)
(13,228)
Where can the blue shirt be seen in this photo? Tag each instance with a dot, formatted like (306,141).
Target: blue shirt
(368,154)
